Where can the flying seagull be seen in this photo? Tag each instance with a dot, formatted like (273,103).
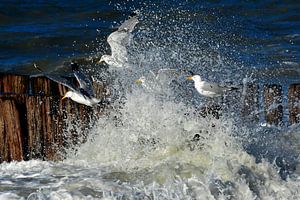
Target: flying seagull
(83,94)
(209,89)
(119,41)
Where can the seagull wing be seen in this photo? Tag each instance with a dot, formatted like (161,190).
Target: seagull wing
(85,83)
(64,81)
(216,88)
(129,24)
(56,78)
(120,39)
(213,87)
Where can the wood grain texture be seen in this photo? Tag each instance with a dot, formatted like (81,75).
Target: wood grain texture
(35,123)
(294,103)
(273,104)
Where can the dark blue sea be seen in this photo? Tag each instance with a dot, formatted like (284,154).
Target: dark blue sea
(145,148)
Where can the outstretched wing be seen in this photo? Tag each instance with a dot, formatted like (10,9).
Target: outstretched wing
(64,81)
(85,83)
(129,24)
(216,88)
(120,39)
(56,78)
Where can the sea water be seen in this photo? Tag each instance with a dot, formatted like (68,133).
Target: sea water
(155,144)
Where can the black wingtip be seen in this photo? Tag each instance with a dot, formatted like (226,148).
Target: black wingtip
(134,14)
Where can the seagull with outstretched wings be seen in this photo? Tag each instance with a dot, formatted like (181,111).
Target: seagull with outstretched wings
(119,41)
(84,94)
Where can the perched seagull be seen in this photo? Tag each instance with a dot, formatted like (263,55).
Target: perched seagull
(119,41)
(159,80)
(209,89)
(84,94)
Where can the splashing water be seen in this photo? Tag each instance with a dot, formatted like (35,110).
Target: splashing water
(148,150)
(155,145)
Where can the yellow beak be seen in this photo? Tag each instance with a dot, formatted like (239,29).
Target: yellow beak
(138,81)
(63,98)
(190,78)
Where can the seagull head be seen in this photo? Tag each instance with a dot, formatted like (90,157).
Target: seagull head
(69,94)
(195,78)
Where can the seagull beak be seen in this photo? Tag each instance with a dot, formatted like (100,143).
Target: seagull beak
(63,98)
(190,78)
(138,81)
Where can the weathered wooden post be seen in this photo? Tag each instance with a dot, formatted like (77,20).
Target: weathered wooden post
(273,104)
(11,132)
(11,125)
(250,105)
(294,103)
(13,84)
(33,118)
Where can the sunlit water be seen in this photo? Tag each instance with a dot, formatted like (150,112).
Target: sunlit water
(154,144)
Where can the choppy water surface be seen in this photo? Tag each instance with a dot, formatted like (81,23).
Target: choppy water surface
(154,144)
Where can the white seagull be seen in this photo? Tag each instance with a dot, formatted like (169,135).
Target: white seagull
(84,94)
(118,42)
(209,89)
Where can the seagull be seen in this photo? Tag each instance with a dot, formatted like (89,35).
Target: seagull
(157,81)
(119,41)
(83,94)
(209,89)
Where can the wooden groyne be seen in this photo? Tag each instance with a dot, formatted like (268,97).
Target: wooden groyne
(294,103)
(33,118)
(272,104)
(35,122)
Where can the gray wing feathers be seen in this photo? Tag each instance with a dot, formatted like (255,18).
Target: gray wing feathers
(118,42)
(213,87)
(129,24)
(69,84)
(120,39)
(84,82)
(216,88)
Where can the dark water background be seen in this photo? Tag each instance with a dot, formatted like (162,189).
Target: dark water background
(263,35)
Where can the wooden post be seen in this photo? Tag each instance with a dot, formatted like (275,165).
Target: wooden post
(33,118)
(273,104)
(14,84)
(11,145)
(250,105)
(294,103)
(45,127)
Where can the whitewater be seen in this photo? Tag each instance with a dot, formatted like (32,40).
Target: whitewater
(156,145)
